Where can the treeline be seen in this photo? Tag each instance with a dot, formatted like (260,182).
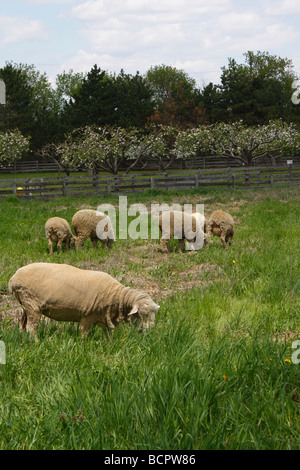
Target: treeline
(255,92)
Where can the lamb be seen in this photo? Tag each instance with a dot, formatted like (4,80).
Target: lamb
(85,224)
(184,226)
(65,293)
(221,224)
(58,231)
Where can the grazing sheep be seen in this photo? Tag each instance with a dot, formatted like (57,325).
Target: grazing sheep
(221,224)
(189,227)
(65,293)
(58,231)
(85,224)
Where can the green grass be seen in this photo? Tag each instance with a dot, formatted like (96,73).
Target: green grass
(212,374)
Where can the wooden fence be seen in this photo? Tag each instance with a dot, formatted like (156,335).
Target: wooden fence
(197,163)
(46,188)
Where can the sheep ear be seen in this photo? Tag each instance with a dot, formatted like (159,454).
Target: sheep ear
(133,310)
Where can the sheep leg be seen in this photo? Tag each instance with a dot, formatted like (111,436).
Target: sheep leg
(223,240)
(67,244)
(94,241)
(85,326)
(164,244)
(181,243)
(30,321)
(50,246)
(59,246)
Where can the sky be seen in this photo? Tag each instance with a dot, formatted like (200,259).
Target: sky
(197,36)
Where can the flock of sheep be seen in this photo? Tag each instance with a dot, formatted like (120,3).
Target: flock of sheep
(64,293)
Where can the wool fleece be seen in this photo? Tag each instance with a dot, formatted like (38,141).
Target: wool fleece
(66,293)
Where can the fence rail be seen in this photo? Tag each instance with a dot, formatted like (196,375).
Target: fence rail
(197,163)
(46,188)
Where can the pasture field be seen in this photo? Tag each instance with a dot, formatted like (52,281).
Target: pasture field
(218,370)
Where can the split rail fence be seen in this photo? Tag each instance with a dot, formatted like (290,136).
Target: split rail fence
(197,163)
(46,188)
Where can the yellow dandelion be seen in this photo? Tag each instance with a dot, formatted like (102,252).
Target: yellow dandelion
(224,377)
(123,339)
(233,261)
(288,361)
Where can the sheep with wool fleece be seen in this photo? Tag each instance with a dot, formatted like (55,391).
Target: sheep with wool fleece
(89,223)
(184,226)
(65,293)
(220,224)
(58,231)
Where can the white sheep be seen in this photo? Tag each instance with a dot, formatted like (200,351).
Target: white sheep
(58,231)
(86,224)
(221,224)
(184,226)
(65,293)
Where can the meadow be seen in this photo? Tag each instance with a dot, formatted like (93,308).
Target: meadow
(216,371)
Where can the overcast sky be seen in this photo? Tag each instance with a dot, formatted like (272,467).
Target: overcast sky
(195,35)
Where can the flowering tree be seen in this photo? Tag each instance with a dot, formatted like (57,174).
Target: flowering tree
(242,143)
(157,145)
(12,146)
(110,149)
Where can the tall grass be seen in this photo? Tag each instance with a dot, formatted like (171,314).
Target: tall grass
(212,374)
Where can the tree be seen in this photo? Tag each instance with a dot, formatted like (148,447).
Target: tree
(105,100)
(13,145)
(176,97)
(30,104)
(244,144)
(256,91)
(96,148)
(134,102)
(17,112)
(113,148)
(94,102)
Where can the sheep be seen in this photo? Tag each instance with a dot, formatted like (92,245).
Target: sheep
(58,231)
(65,293)
(85,224)
(221,224)
(184,226)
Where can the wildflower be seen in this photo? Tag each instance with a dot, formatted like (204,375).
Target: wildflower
(224,377)
(288,361)
(233,261)
(63,416)
(123,339)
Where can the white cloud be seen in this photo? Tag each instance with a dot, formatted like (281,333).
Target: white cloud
(19,29)
(283,7)
(47,2)
(94,10)
(248,22)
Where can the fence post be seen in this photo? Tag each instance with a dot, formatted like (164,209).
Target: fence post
(14,188)
(271,180)
(152,183)
(259,178)
(229,178)
(65,186)
(234,181)
(95,182)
